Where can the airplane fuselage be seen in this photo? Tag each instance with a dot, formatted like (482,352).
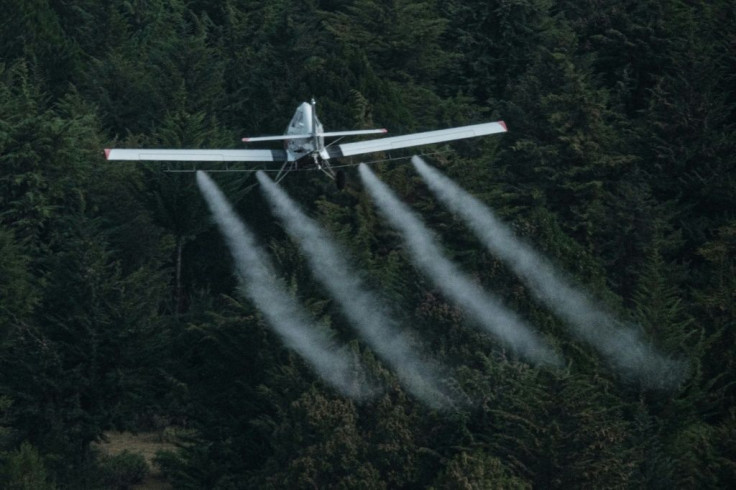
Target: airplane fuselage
(306,129)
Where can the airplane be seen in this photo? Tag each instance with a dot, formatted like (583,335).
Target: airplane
(304,145)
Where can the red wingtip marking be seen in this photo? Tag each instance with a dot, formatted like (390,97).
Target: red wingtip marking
(504,125)
(107,153)
(245,140)
(384,130)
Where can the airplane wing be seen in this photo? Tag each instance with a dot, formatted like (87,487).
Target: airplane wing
(196,155)
(416,139)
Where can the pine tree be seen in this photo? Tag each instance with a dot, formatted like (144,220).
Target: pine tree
(24,469)
(476,469)
(19,294)
(317,443)
(82,364)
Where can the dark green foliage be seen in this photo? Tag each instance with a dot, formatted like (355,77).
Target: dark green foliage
(123,470)
(19,294)
(84,361)
(317,443)
(24,469)
(119,307)
(469,470)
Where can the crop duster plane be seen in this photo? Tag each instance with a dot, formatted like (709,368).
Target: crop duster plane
(304,145)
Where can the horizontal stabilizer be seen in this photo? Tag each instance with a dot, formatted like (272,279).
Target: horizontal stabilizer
(356,132)
(279,137)
(331,134)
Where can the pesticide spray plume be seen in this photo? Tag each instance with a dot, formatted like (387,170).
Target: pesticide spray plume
(360,305)
(621,345)
(485,310)
(259,282)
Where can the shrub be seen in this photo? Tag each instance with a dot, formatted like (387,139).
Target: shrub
(123,470)
(23,469)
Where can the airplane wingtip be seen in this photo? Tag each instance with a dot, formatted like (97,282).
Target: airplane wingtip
(107,153)
(502,123)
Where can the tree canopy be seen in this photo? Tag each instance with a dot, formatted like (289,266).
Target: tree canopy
(120,307)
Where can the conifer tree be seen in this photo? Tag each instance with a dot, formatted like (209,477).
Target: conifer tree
(24,469)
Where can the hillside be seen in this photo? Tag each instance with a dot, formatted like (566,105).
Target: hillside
(552,307)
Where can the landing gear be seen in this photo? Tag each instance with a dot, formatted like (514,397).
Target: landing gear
(324,165)
(313,161)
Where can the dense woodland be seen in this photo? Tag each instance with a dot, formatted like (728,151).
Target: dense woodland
(120,310)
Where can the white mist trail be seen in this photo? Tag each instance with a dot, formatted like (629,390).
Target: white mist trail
(361,306)
(259,282)
(621,345)
(484,309)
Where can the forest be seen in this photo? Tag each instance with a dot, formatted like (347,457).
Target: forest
(122,308)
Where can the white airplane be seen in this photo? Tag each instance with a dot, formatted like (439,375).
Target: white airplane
(304,145)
